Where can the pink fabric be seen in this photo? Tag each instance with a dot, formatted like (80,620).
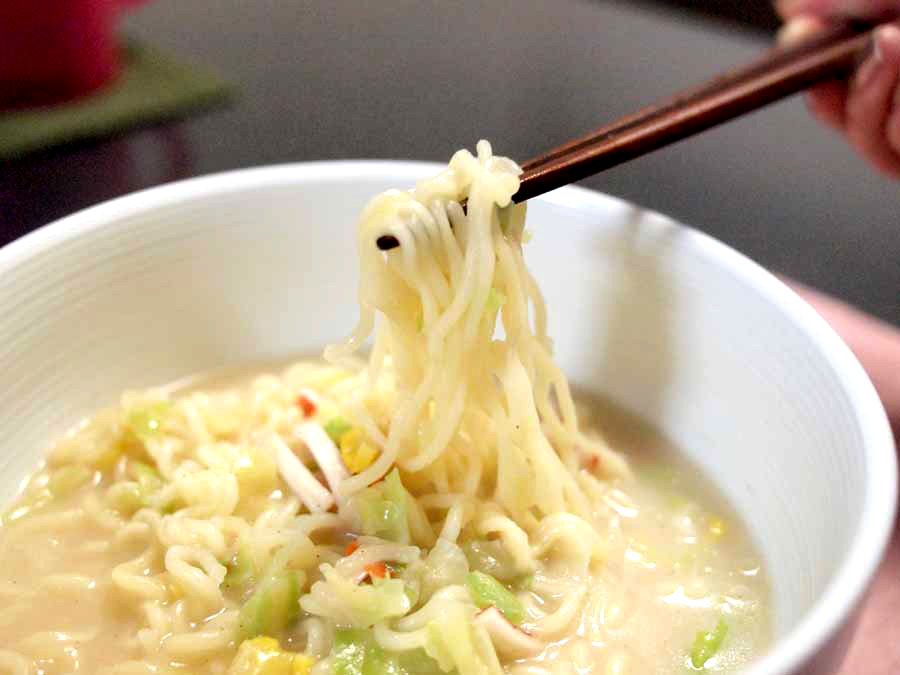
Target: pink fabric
(56,50)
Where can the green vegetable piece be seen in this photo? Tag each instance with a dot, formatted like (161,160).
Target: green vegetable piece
(355,652)
(337,427)
(378,662)
(147,421)
(707,644)
(384,509)
(242,569)
(393,488)
(275,602)
(285,590)
(253,618)
(272,607)
(396,494)
(349,651)
(417,662)
(68,479)
(486,591)
(380,518)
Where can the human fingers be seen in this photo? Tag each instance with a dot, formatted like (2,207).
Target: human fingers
(872,105)
(891,43)
(826,101)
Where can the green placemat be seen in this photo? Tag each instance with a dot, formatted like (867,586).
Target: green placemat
(153,87)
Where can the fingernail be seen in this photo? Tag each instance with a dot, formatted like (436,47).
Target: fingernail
(887,40)
(868,70)
(870,67)
(797,30)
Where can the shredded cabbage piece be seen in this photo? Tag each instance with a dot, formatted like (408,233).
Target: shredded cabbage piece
(351,604)
(457,643)
(445,565)
(488,592)
(242,569)
(383,509)
(274,603)
(707,644)
(356,652)
(336,427)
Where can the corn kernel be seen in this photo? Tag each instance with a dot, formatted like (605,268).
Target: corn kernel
(262,656)
(256,472)
(351,439)
(357,454)
(303,663)
(717,527)
(264,643)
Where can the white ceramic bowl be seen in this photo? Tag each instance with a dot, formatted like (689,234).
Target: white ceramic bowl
(260,264)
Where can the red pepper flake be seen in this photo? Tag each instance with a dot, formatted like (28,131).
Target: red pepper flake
(307,405)
(351,547)
(377,570)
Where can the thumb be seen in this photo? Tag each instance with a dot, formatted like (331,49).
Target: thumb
(856,9)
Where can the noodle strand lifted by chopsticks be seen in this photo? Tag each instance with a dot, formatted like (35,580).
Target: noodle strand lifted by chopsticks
(455,300)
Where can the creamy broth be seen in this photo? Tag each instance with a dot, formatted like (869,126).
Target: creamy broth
(97,578)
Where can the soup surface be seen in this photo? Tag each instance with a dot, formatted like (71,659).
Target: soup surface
(174,533)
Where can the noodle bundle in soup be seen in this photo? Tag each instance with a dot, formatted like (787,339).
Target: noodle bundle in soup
(444,507)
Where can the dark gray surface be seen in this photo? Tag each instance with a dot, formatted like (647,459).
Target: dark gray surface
(420,78)
(759,14)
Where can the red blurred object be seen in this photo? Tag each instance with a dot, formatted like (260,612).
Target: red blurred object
(56,50)
(307,405)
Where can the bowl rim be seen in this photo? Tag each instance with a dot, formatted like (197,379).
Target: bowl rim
(845,590)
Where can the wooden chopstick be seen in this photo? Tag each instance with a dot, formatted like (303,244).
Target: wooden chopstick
(779,74)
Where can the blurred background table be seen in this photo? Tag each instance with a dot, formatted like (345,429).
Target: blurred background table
(420,78)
